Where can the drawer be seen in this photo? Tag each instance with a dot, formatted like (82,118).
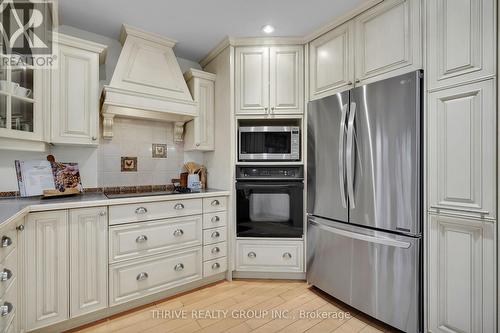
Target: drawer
(120,214)
(214,220)
(214,251)
(135,279)
(133,240)
(215,204)
(270,256)
(8,242)
(213,267)
(8,304)
(216,235)
(8,271)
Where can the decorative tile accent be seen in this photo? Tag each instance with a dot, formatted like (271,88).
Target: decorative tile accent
(159,150)
(129,164)
(9,194)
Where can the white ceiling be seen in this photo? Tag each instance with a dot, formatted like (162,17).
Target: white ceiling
(198,25)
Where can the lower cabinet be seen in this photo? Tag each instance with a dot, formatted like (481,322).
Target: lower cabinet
(269,256)
(462,270)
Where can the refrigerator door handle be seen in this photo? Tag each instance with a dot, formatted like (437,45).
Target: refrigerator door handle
(349,155)
(366,238)
(342,133)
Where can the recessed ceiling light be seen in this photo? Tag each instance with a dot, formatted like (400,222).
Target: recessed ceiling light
(267,29)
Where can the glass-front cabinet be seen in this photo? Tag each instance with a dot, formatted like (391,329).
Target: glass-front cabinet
(21,104)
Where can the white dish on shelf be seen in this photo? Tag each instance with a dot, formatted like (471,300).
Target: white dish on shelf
(8,86)
(22,92)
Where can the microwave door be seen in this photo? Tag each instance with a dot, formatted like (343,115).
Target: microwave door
(268,143)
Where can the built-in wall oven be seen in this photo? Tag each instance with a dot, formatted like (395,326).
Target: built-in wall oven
(269,201)
(269,143)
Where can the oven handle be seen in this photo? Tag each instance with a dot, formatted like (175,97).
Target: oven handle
(243,186)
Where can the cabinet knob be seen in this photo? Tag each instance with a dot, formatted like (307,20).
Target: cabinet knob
(178,267)
(5,275)
(94,138)
(142,276)
(272,109)
(6,308)
(20,227)
(215,203)
(215,250)
(252,255)
(357,81)
(216,265)
(141,210)
(103,213)
(349,83)
(178,232)
(215,219)
(179,206)
(6,241)
(141,239)
(287,255)
(197,145)
(215,234)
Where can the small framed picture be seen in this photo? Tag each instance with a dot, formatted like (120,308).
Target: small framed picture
(159,150)
(129,164)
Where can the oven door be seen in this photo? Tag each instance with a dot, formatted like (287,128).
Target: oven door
(269,209)
(267,143)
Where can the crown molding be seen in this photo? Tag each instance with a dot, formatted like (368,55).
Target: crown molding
(83,44)
(128,30)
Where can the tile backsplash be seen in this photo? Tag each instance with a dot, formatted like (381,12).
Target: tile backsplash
(134,138)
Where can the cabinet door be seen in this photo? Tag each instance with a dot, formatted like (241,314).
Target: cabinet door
(286,79)
(252,80)
(462,273)
(46,270)
(200,133)
(461,41)
(88,232)
(331,62)
(462,151)
(75,99)
(388,40)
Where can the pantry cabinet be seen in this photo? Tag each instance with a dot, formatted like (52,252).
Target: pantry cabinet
(462,280)
(75,92)
(461,41)
(200,132)
(269,80)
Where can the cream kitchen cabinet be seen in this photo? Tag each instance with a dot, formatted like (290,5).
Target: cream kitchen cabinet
(462,266)
(331,62)
(269,80)
(75,92)
(200,132)
(461,41)
(46,268)
(88,267)
(462,150)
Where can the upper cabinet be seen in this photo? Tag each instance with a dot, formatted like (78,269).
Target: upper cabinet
(200,132)
(269,80)
(382,42)
(75,92)
(461,41)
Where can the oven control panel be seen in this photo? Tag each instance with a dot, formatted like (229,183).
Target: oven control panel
(269,172)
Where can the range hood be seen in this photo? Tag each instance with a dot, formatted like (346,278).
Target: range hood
(147,83)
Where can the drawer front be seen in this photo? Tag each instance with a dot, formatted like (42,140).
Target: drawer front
(212,236)
(8,271)
(214,251)
(215,204)
(139,239)
(120,214)
(213,267)
(138,278)
(8,242)
(214,220)
(9,301)
(270,256)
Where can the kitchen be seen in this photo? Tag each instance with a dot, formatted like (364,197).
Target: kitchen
(336,174)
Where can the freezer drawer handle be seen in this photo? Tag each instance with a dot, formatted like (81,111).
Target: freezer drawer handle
(366,238)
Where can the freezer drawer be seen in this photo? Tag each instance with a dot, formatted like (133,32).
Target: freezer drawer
(375,272)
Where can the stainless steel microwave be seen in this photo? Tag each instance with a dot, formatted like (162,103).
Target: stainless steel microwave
(269,143)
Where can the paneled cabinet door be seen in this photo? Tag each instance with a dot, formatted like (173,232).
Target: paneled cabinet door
(462,273)
(388,40)
(252,80)
(286,79)
(88,233)
(46,268)
(461,41)
(331,62)
(462,150)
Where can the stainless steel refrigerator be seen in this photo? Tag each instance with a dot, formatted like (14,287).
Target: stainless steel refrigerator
(364,199)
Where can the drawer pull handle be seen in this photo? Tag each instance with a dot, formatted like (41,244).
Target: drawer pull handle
(215,234)
(215,250)
(179,206)
(103,213)
(215,219)
(287,255)
(5,275)
(6,308)
(141,239)
(6,241)
(142,276)
(215,203)
(178,267)
(178,232)
(216,265)
(141,210)
(252,255)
